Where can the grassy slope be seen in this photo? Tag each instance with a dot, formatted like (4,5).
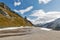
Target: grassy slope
(13,20)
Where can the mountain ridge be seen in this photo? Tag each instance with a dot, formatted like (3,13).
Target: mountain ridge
(9,18)
(53,25)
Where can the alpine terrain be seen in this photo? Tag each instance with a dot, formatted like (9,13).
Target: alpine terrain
(9,18)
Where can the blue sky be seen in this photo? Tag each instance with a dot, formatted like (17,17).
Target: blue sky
(54,5)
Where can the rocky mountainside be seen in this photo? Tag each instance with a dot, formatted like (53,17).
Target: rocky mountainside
(54,24)
(9,18)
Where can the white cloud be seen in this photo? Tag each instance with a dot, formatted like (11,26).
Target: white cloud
(44,17)
(30,19)
(44,1)
(38,13)
(17,3)
(25,10)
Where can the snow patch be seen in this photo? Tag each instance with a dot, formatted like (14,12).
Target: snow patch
(12,28)
(46,29)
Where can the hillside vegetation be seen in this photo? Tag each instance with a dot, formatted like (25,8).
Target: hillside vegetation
(9,18)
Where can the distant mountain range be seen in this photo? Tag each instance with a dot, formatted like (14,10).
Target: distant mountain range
(9,18)
(53,24)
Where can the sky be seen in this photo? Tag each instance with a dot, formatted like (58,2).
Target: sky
(29,7)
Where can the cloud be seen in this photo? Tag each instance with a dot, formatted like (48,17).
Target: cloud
(38,13)
(17,3)
(30,19)
(25,10)
(43,17)
(44,1)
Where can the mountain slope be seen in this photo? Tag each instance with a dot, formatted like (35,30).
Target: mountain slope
(10,18)
(54,25)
